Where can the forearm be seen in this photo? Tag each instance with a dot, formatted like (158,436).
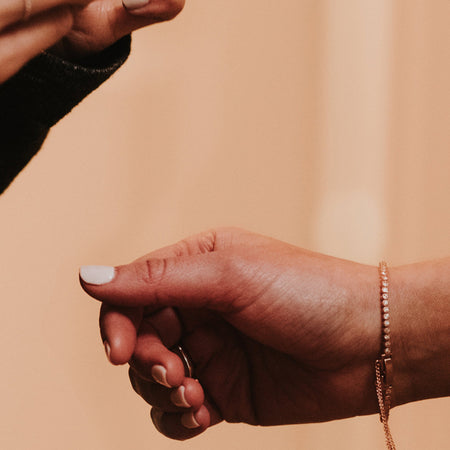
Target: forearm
(420,304)
(40,95)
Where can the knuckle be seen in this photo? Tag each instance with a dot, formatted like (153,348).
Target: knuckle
(182,248)
(152,271)
(201,243)
(226,237)
(207,241)
(233,283)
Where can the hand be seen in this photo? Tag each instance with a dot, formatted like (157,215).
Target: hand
(73,28)
(277,334)
(103,22)
(21,40)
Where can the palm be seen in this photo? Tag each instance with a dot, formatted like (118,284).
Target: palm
(254,383)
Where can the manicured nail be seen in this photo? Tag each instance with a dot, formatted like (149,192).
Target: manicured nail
(97,274)
(188,421)
(107,350)
(159,374)
(178,398)
(134,4)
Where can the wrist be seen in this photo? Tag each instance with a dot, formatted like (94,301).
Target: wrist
(420,330)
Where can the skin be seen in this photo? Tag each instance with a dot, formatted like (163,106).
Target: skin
(277,334)
(73,29)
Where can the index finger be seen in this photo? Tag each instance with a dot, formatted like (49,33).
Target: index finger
(118,328)
(16,11)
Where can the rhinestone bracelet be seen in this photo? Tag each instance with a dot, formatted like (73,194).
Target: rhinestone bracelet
(384,370)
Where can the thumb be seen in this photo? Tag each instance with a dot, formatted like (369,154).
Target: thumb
(106,22)
(158,10)
(196,281)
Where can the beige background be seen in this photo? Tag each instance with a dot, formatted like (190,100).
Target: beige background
(323,123)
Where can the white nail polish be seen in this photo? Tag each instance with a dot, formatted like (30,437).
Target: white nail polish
(159,374)
(178,398)
(107,350)
(134,4)
(188,421)
(97,275)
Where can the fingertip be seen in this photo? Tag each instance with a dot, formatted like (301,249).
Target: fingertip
(157,10)
(124,286)
(134,6)
(118,330)
(189,421)
(107,350)
(178,397)
(120,351)
(203,418)
(181,426)
(189,395)
(159,374)
(96,275)
(154,362)
(175,370)
(196,421)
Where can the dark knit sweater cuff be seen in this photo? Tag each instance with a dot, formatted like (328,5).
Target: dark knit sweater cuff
(48,87)
(42,93)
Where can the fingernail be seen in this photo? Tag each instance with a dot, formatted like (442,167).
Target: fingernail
(188,421)
(97,275)
(134,4)
(159,374)
(107,350)
(178,398)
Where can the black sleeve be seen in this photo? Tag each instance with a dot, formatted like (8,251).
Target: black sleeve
(43,92)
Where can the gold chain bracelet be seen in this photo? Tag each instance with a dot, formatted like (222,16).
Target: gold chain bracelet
(384,370)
